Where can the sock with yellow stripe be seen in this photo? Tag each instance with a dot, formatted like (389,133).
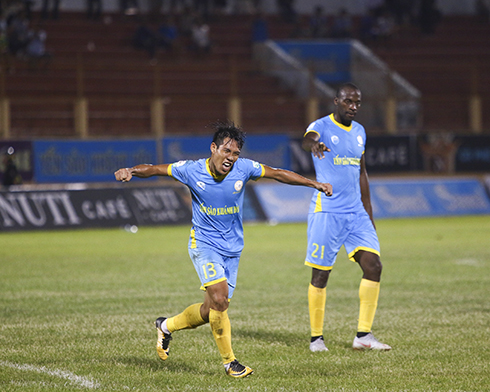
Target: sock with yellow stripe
(316,306)
(221,327)
(368,296)
(189,318)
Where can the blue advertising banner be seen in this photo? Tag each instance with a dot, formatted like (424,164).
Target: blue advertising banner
(88,161)
(331,60)
(409,198)
(389,198)
(270,150)
(284,203)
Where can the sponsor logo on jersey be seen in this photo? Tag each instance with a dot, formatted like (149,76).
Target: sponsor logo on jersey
(201,185)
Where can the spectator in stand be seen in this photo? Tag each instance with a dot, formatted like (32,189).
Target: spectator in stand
(94,9)
(342,25)
(55,6)
(17,34)
(36,48)
(318,23)
(201,42)
(11,174)
(260,28)
(168,33)
(385,25)
(146,39)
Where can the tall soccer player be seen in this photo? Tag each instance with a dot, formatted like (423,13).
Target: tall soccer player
(346,218)
(216,239)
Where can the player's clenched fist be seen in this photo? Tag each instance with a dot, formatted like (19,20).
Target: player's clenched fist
(123,175)
(326,188)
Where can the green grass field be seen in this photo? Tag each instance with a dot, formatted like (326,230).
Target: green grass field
(77,310)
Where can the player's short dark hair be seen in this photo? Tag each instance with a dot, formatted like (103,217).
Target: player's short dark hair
(343,86)
(227,129)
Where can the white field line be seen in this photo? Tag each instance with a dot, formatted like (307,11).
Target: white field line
(79,380)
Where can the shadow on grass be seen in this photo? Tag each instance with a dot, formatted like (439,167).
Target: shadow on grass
(173,365)
(289,339)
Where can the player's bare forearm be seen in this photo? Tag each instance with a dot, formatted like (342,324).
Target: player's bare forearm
(311,143)
(141,171)
(292,178)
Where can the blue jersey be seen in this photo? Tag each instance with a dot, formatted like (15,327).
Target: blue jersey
(340,167)
(217,204)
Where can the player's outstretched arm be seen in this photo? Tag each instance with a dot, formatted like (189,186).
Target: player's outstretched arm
(292,178)
(142,171)
(311,143)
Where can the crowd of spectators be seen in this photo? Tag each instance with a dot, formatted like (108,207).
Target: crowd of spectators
(172,33)
(18,39)
(382,20)
(175,25)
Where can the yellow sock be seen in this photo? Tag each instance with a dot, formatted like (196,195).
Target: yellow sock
(316,305)
(368,295)
(189,318)
(221,327)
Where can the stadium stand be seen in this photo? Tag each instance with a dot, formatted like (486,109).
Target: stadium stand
(448,67)
(95,60)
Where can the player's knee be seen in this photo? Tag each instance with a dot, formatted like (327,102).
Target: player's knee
(219,302)
(319,278)
(221,305)
(373,268)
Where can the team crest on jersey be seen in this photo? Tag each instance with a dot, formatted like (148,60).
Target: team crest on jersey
(201,185)
(238,185)
(360,141)
(335,139)
(179,163)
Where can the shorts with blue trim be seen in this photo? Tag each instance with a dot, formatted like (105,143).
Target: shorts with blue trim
(212,267)
(328,231)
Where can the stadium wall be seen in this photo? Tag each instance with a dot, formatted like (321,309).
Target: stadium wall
(129,206)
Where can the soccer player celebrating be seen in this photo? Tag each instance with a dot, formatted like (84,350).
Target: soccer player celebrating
(216,239)
(346,218)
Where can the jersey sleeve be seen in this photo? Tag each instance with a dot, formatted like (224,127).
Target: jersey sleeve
(313,127)
(255,170)
(178,170)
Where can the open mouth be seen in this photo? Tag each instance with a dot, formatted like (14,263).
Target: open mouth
(227,166)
